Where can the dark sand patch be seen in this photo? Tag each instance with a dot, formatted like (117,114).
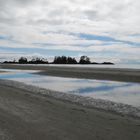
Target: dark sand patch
(25,115)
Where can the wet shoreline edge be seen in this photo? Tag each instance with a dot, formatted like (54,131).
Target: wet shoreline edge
(119,108)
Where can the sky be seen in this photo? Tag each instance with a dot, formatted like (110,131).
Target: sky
(104,30)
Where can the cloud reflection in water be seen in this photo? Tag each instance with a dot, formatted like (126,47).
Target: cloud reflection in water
(128,93)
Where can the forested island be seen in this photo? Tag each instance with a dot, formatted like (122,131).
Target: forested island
(57,60)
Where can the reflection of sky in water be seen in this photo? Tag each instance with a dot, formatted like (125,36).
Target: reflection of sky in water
(123,92)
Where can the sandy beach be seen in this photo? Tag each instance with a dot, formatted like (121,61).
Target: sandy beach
(114,74)
(25,115)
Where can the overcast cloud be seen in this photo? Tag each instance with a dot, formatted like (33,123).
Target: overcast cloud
(104,29)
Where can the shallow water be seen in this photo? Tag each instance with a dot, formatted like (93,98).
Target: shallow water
(122,92)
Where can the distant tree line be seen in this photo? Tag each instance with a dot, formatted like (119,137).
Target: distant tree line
(24,60)
(37,60)
(57,60)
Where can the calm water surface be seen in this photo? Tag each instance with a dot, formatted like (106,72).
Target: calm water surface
(123,92)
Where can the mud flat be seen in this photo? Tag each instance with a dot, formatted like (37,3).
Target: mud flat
(115,74)
(28,112)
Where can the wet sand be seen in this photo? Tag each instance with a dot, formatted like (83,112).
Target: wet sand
(114,74)
(25,115)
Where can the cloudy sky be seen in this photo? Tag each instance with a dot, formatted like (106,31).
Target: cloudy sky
(105,30)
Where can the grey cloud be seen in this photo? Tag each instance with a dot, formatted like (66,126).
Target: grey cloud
(12,12)
(45,22)
(117,19)
(91,14)
(56,13)
(15,2)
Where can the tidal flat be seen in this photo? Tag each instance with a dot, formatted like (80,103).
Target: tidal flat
(28,112)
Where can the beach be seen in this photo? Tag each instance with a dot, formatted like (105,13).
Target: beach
(30,113)
(114,74)
(25,115)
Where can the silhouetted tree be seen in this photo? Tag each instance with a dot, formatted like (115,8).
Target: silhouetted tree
(57,60)
(38,60)
(71,60)
(23,60)
(60,60)
(64,60)
(84,60)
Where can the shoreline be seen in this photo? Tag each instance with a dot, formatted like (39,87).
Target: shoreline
(113,74)
(28,112)
(106,105)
